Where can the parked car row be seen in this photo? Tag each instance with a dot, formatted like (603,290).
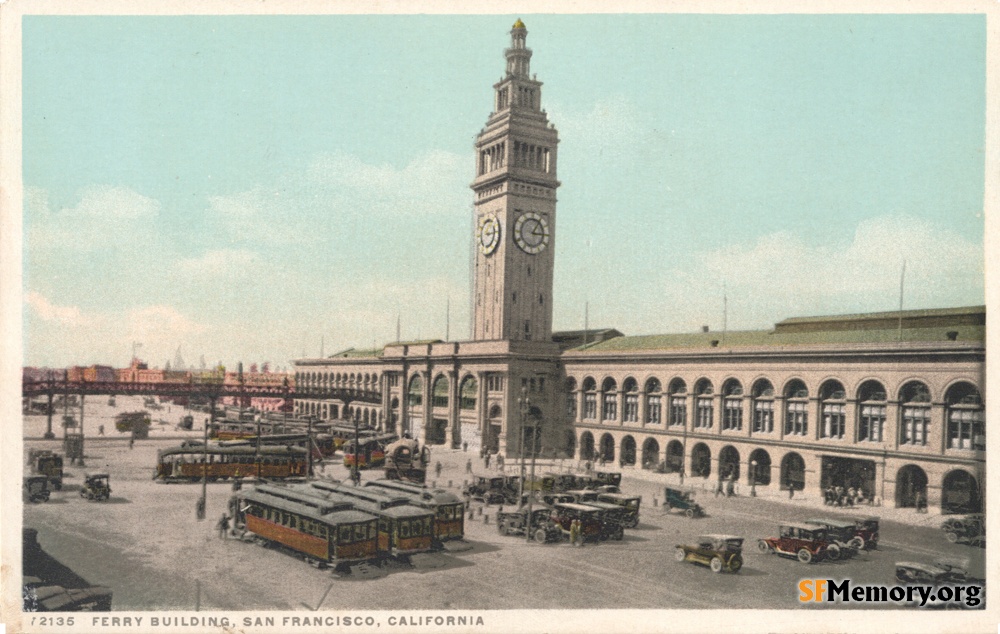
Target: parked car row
(38,488)
(968,528)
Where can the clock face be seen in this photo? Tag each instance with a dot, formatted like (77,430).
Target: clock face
(488,234)
(531,233)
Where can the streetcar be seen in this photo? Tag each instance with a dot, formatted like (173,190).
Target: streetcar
(449,509)
(324,533)
(187,462)
(372,451)
(403,528)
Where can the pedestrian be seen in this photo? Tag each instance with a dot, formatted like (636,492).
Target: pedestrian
(791,491)
(500,461)
(100,430)
(487,460)
(223,526)
(572,533)
(131,441)
(437,469)
(920,501)
(465,447)
(718,487)
(730,487)
(468,466)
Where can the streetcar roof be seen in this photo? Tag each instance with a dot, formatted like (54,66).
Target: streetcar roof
(416,492)
(334,515)
(267,450)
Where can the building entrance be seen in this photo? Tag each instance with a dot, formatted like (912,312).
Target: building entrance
(848,473)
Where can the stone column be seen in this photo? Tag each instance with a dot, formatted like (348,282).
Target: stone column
(453,434)
(428,395)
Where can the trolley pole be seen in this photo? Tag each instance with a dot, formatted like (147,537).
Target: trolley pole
(309,446)
(355,475)
(534,452)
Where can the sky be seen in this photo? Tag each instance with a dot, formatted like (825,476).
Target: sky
(260,188)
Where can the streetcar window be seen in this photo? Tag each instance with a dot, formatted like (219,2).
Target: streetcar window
(404,528)
(372,530)
(344,534)
(383,526)
(322,531)
(360,532)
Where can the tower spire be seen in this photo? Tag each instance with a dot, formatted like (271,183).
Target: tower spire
(518,55)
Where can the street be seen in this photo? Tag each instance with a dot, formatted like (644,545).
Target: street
(146,544)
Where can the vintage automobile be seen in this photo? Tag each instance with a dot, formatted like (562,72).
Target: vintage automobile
(942,573)
(36,489)
(44,462)
(841,534)
(630,503)
(718,552)
(591,526)
(805,542)
(96,487)
(487,490)
(607,477)
(970,528)
(612,516)
(543,529)
(551,499)
(682,501)
(866,532)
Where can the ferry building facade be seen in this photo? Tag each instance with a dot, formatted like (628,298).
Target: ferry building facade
(889,403)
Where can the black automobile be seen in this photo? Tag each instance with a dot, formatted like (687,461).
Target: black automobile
(96,487)
(543,529)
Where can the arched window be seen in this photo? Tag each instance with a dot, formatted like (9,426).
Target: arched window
(589,399)
(678,403)
(439,394)
(832,410)
(416,391)
(732,405)
(914,414)
(763,406)
(796,408)
(468,393)
(609,398)
(871,411)
(653,401)
(965,417)
(631,413)
(571,398)
(703,404)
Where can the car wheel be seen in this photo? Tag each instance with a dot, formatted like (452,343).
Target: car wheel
(57,486)
(634,523)
(540,536)
(619,534)
(805,556)
(858,543)
(504,528)
(764,547)
(689,513)
(832,552)
(735,564)
(679,554)
(951,536)
(715,564)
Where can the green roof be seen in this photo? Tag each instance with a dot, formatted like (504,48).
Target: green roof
(756,338)
(353,353)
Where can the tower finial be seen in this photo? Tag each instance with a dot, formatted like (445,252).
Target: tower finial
(519,24)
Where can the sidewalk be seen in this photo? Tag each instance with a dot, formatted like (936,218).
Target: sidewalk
(650,484)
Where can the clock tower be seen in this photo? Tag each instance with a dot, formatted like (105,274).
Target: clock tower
(515,207)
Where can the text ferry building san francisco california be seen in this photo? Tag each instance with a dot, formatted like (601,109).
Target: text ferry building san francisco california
(890,403)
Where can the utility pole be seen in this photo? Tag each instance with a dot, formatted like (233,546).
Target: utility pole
(524,403)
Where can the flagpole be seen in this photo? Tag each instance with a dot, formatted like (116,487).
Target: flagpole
(902,278)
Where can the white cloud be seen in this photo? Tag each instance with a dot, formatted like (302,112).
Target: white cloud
(105,218)
(225,264)
(47,311)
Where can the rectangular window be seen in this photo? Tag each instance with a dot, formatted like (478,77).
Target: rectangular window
(703,415)
(834,421)
(763,416)
(871,423)
(965,429)
(796,418)
(571,405)
(914,427)
(632,408)
(590,406)
(610,410)
(732,414)
(678,411)
(653,410)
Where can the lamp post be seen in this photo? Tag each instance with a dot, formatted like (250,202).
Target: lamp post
(753,478)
